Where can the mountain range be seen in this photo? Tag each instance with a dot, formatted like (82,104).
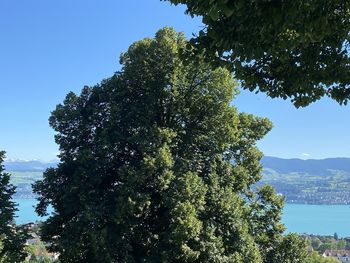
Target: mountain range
(310,166)
(282,166)
(324,181)
(28,166)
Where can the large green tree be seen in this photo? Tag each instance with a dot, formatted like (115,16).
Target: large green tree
(157,166)
(12,237)
(291,49)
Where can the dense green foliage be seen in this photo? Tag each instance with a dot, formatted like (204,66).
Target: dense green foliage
(322,243)
(291,49)
(314,257)
(156,166)
(38,254)
(12,238)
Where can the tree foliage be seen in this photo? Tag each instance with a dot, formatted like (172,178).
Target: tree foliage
(314,257)
(157,166)
(291,49)
(12,237)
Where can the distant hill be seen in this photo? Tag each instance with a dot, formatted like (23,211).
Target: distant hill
(279,165)
(28,166)
(24,174)
(318,167)
(324,181)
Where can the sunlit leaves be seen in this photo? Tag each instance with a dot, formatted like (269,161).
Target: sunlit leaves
(294,50)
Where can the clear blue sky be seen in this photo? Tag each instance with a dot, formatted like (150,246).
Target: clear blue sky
(48,48)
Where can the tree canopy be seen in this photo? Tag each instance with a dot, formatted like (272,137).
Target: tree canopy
(157,166)
(12,238)
(290,49)
(314,257)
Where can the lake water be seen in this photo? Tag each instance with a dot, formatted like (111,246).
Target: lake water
(26,212)
(318,219)
(311,219)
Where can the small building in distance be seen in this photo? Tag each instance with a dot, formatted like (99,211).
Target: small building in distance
(341,255)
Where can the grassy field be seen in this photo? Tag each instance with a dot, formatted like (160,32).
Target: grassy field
(25,177)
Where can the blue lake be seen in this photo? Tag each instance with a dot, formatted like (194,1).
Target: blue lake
(26,211)
(311,219)
(318,219)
